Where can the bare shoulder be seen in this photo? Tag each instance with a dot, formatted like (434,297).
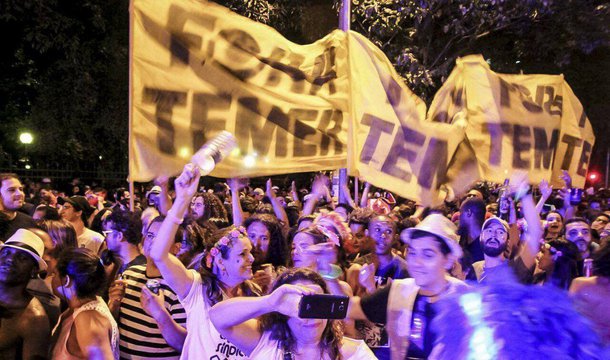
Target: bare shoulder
(92,319)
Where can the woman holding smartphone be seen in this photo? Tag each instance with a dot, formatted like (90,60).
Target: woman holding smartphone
(268,327)
(225,271)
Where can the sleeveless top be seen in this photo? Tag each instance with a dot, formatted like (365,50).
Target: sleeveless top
(64,326)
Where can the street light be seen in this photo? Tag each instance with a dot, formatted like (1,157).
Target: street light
(26,138)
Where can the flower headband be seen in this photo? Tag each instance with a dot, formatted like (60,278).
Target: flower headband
(332,226)
(554,252)
(225,241)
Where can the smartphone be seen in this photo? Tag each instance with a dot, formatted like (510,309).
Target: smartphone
(575,196)
(323,306)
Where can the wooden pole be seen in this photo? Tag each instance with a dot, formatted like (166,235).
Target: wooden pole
(130,96)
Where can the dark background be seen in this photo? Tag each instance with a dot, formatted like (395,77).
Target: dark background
(65,65)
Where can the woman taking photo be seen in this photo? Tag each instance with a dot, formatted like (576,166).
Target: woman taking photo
(279,333)
(224,273)
(87,329)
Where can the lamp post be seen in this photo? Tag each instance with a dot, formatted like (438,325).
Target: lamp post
(26,139)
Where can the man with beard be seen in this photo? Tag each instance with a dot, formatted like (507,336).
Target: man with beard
(578,231)
(24,325)
(12,199)
(494,239)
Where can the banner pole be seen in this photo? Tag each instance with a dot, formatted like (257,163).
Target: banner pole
(130,111)
(344,25)
(607,165)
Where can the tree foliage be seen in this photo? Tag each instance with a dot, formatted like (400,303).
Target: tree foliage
(424,38)
(66,63)
(67,81)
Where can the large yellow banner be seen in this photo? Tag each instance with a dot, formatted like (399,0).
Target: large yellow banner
(527,122)
(198,68)
(391,144)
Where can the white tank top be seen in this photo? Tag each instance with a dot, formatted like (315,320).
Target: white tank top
(60,351)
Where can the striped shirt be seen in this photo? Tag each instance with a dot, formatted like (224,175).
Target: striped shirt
(140,337)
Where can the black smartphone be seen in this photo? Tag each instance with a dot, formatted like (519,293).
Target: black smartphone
(323,306)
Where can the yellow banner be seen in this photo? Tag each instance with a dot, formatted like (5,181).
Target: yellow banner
(527,122)
(198,68)
(393,146)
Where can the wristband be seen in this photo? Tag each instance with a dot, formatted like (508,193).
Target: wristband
(173,218)
(334,273)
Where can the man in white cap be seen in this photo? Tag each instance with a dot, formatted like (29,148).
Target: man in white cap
(258,194)
(405,306)
(24,325)
(494,239)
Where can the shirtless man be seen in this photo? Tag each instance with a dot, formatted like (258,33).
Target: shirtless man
(24,326)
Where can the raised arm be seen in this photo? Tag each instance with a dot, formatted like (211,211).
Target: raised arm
(278,209)
(318,190)
(545,192)
(235,318)
(238,214)
(568,211)
(534,232)
(295,196)
(346,193)
(172,270)
(365,195)
(165,201)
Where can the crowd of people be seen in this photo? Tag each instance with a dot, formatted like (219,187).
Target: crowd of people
(504,271)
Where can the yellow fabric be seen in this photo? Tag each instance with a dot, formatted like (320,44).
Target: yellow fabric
(394,146)
(527,122)
(197,69)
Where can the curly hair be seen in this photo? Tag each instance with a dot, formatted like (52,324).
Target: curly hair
(128,223)
(360,216)
(197,236)
(278,253)
(212,206)
(212,287)
(277,323)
